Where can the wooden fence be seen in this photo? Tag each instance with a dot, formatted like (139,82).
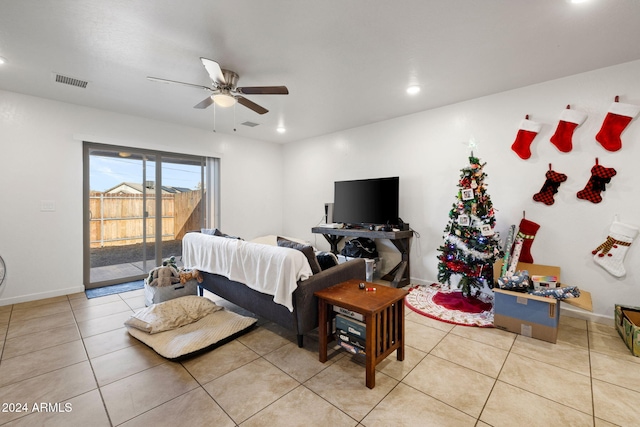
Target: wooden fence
(118,219)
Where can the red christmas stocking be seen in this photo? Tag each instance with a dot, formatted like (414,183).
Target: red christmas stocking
(526,133)
(550,187)
(615,122)
(569,121)
(527,231)
(600,176)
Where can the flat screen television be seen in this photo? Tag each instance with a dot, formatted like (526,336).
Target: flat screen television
(366,201)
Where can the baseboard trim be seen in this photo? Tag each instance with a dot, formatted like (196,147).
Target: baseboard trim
(584,315)
(41,295)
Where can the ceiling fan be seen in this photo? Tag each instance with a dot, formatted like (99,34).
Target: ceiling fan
(225,90)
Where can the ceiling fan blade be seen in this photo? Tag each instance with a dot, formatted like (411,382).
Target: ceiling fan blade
(159,80)
(251,105)
(214,71)
(204,103)
(263,90)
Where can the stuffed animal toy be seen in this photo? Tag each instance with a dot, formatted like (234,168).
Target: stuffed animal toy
(194,274)
(171,262)
(163,276)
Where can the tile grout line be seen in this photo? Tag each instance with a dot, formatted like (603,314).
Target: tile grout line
(93,372)
(593,397)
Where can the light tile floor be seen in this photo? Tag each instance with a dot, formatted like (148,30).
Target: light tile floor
(75,352)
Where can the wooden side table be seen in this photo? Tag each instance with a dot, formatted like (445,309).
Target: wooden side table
(383,311)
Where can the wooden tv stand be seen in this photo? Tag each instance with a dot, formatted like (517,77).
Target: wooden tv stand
(400,274)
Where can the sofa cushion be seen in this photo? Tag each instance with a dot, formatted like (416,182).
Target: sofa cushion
(272,240)
(305,249)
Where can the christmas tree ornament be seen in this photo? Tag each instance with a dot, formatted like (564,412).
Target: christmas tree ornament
(615,122)
(550,187)
(470,244)
(526,134)
(527,231)
(569,121)
(600,176)
(610,254)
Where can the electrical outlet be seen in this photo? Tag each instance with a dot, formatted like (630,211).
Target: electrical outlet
(47,206)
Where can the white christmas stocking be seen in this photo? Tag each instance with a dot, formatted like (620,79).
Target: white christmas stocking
(610,254)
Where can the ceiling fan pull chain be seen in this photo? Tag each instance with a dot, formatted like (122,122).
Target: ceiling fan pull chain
(234,117)
(214,117)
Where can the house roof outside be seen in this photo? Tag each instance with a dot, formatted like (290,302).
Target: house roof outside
(136,188)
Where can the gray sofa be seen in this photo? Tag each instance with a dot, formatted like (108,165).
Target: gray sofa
(304,317)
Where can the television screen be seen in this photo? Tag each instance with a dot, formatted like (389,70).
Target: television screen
(366,201)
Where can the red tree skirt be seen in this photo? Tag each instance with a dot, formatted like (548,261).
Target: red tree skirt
(450,306)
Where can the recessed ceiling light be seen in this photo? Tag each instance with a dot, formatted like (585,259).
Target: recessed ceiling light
(412,90)
(281,129)
(3,60)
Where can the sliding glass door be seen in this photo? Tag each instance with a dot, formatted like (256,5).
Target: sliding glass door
(138,205)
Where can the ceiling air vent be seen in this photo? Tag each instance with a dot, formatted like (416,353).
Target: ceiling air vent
(59,78)
(250,124)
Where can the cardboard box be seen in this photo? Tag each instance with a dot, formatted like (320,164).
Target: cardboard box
(525,314)
(627,320)
(531,315)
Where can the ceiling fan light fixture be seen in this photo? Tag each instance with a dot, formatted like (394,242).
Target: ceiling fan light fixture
(224,100)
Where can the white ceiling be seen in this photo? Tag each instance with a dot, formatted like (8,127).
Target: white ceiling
(346,62)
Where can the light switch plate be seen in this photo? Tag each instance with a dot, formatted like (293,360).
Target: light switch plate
(47,206)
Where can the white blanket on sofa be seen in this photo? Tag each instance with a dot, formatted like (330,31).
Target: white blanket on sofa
(268,269)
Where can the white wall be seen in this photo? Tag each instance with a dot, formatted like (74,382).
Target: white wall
(428,149)
(41,159)
(268,188)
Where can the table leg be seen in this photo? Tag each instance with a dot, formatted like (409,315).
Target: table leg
(333,242)
(400,326)
(370,356)
(322,329)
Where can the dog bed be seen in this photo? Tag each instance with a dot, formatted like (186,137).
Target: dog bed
(184,326)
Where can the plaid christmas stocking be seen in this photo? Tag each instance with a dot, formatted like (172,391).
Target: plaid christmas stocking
(600,176)
(569,121)
(610,254)
(527,232)
(550,187)
(615,122)
(526,134)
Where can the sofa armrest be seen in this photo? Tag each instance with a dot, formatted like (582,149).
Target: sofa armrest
(352,269)
(306,304)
